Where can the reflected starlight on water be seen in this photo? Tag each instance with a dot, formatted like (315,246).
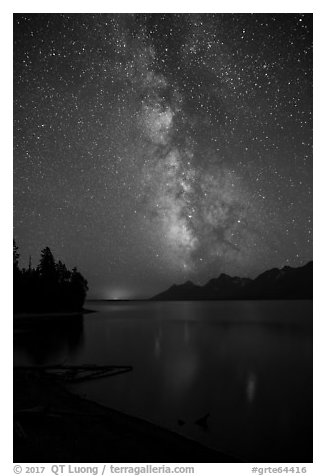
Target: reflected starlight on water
(251,387)
(188,363)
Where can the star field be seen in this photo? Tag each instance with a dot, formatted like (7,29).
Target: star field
(154,148)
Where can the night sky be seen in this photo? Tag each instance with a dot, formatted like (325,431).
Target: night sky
(153,149)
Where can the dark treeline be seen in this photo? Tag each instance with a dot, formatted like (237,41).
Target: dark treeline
(48,287)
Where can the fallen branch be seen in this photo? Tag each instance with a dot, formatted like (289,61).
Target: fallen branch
(77,373)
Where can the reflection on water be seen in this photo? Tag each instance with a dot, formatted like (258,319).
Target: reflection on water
(251,387)
(51,342)
(247,365)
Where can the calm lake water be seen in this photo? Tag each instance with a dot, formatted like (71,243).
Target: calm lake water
(246,364)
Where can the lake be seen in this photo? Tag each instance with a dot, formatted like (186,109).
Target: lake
(245,364)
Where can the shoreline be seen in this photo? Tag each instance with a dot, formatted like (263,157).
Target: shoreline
(115,301)
(49,315)
(52,424)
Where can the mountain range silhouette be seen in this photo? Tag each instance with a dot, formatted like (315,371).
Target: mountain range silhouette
(284,283)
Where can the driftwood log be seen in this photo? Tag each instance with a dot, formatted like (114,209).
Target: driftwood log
(76,373)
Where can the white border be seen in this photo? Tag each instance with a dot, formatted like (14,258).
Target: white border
(319,465)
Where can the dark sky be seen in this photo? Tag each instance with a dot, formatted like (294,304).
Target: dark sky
(152,149)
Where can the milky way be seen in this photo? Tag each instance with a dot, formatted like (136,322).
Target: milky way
(158,148)
(198,210)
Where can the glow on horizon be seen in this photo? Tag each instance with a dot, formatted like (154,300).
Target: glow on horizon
(118,293)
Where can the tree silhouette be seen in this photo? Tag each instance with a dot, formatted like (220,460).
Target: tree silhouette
(79,287)
(47,266)
(63,274)
(49,287)
(17,284)
(16,256)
